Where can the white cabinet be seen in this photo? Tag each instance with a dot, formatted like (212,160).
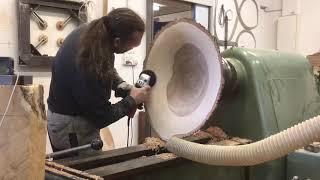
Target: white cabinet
(287,33)
(290,7)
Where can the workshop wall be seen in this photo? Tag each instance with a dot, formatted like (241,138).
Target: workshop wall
(265,32)
(309,27)
(298,28)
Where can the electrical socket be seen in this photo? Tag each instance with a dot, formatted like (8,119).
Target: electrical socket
(128,59)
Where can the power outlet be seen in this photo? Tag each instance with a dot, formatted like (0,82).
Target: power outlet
(128,59)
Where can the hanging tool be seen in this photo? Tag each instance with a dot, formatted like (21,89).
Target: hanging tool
(60,41)
(95,144)
(42,24)
(43,39)
(62,24)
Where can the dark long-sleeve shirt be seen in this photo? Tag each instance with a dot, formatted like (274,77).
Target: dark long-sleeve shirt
(72,92)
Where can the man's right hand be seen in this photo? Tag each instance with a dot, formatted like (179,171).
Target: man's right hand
(140,95)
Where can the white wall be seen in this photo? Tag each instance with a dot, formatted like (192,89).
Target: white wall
(309,27)
(287,34)
(265,33)
(8,29)
(299,27)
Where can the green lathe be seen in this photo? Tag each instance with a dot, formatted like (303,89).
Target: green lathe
(265,92)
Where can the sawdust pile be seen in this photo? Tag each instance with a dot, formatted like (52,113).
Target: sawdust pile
(142,157)
(166,156)
(219,137)
(154,143)
(217,133)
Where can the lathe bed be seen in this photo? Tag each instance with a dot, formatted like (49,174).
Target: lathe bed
(130,162)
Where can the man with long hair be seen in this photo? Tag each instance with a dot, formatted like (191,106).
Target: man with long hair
(83,76)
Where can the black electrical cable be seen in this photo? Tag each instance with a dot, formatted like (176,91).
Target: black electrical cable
(129,124)
(128,129)
(131,132)
(133,82)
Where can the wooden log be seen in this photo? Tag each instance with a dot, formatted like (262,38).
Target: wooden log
(22,133)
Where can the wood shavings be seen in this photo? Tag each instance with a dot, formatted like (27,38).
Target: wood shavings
(217,132)
(241,140)
(166,156)
(226,143)
(200,133)
(142,157)
(154,143)
(235,141)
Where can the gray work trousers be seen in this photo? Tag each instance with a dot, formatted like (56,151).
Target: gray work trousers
(67,131)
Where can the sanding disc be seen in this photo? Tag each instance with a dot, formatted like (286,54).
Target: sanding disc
(188,66)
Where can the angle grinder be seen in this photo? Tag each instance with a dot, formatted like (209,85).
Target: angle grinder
(146,77)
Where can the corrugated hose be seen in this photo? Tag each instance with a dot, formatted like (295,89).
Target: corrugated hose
(268,149)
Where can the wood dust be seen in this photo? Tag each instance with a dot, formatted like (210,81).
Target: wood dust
(154,143)
(166,156)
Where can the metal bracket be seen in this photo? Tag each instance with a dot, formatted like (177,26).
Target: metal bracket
(266,9)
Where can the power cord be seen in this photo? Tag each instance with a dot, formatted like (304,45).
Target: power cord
(128,130)
(9,101)
(129,120)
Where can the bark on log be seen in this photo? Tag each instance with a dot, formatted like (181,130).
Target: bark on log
(23,133)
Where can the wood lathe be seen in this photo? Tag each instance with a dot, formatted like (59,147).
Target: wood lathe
(260,95)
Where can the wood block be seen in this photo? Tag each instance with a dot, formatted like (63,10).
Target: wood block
(23,133)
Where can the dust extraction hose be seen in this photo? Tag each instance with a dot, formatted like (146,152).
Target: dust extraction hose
(268,149)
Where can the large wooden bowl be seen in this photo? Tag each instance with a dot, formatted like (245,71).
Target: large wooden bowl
(188,66)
